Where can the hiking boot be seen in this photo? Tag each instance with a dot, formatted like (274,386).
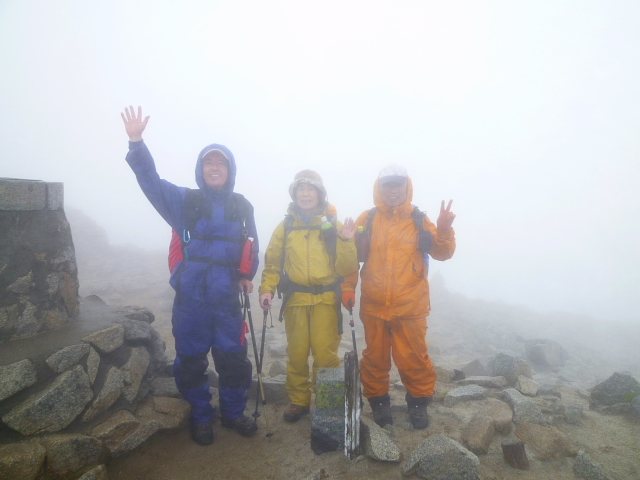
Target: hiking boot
(294,413)
(381,407)
(202,433)
(243,425)
(418,411)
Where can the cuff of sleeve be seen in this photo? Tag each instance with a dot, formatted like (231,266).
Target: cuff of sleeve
(133,145)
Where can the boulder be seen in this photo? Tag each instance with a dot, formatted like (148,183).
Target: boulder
(618,388)
(55,407)
(460,394)
(70,454)
(547,442)
(475,368)
(106,340)
(97,473)
(478,434)
(526,386)
(500,413)
(21,461)
(117,427)
(376,442)
(441,458)
(108,394)
(545,354)
(134,371)
(508,366)
(16,377)
(489,382)
(66,357)
(586,468)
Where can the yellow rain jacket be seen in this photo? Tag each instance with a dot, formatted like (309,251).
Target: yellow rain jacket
(394,279)
(307,261)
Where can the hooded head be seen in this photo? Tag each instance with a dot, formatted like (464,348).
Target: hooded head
(393,188)
(315,180)
(215,151)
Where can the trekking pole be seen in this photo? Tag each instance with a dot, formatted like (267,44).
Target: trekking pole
(353,327)
(264,399)
(247,309)
(258,366)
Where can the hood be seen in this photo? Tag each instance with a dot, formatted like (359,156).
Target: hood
(405,207)
(231,180)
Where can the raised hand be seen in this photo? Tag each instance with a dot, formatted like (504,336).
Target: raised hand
(348,228)
(446,217)
(133,123)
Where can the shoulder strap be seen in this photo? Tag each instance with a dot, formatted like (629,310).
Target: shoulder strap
(368,228)
(195,208)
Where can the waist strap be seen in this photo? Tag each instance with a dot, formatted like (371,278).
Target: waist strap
(212,261)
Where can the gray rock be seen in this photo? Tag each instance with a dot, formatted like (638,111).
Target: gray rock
(549,390)
(489,382)
(18,194)
(573,414)
(546,354)
(278,350)
(93,364)
(618,388)
(136,330)
(527,411)
(16,377)
(136,438)
(168,412)
(108,394)
(141,314)
(277,368)
(460,394)
(69,454)
(550,405)
(635,405)
(55,407)
(97,473)
(28,323)
(133,372)
(585,467)
(500,413)
(441,458)
(327,419)
(508,366)
(475,368)
(546,442)
(511,396)
(64,358)
(113,430)
(107,340)
(157,347)
(377,444)
(274,389)
(213,378)
(526,386)
(21,461)
(22,284)
(165,387)
(478,433)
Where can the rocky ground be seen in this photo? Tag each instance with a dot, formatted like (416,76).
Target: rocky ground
(460,331)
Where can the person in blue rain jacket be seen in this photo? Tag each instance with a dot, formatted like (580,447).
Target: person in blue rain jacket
(214,223)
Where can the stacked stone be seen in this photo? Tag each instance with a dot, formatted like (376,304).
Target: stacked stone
(85,402)
(38,272)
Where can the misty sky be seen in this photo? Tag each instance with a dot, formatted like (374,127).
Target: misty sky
(526,114)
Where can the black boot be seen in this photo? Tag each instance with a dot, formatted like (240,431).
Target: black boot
(381,407)
(418,411)
(202,433)
(243,425)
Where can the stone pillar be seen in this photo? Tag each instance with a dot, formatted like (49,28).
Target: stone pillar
(38,272)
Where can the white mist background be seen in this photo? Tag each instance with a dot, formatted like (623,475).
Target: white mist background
(526,114)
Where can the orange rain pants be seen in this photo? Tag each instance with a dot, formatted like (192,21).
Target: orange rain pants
(405,340)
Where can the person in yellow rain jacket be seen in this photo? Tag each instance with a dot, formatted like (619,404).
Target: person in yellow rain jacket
(395,293)
(308,254)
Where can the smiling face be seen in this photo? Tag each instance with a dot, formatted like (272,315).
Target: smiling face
(393,193)
(215,170)
(307,199)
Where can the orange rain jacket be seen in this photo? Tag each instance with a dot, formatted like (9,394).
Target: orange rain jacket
(394,279)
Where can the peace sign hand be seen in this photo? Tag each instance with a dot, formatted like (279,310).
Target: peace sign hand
(446,218)
(133,123)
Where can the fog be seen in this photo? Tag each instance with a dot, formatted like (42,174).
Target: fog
(526,114)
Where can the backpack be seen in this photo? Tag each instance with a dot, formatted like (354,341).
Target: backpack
(425,239)
(197,206)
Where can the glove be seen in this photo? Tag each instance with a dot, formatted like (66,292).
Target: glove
(348,297)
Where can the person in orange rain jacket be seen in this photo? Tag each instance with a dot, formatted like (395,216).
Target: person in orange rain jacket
(393,242)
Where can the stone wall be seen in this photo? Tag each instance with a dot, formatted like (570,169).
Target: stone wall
(78,397)
(38,273)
